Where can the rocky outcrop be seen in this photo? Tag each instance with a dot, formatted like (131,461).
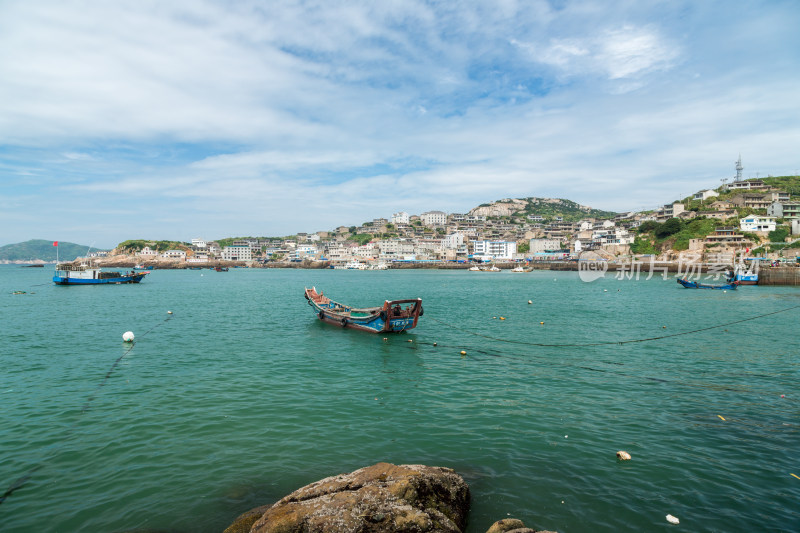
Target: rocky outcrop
(379,498)
(512,525)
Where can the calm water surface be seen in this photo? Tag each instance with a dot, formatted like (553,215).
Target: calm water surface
(240,397)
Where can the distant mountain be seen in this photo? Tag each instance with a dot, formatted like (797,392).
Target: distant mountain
(41,250)
(549,208)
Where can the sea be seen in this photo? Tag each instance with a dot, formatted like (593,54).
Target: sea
(233,394)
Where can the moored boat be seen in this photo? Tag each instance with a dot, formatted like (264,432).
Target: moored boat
(697,285)
(394,316)
(86,274)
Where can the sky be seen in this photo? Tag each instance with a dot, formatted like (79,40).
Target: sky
(175,120)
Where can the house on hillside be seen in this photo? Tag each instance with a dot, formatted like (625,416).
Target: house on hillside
(757,223)
(789,210)
(705,195)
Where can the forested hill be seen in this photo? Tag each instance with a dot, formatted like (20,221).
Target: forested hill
(41,250)
(548,208)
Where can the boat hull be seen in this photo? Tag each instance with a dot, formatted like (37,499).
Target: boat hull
(393,316)
(695,285)
(66,280)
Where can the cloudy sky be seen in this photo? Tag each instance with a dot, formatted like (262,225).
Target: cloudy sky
(174,120)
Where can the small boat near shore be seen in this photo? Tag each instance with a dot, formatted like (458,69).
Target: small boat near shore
(394,316)
(697,285)
(86,274)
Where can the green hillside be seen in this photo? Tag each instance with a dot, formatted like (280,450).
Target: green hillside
(41,250)
(561,207)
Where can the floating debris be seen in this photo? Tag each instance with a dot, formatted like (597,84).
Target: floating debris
(623,456)
(721,417)
(672,520)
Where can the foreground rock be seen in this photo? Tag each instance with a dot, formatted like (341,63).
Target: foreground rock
(512,525)
(379,498)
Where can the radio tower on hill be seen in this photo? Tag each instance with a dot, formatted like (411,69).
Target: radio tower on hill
(739,169)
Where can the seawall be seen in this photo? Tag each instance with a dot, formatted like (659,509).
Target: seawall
(779,276)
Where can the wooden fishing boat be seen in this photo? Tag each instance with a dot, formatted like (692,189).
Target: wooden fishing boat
(394,316)
(697,285)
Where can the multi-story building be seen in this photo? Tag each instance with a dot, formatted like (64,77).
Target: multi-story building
(544,245)
(789,210)
(757,223)
(494,249)
(400,218)
(237,252)
(434,218)
(179,255)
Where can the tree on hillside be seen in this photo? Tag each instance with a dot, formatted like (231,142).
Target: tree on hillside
(670,227)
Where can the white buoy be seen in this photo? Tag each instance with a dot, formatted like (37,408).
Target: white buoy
(127,336)
(169,312)
(672,519)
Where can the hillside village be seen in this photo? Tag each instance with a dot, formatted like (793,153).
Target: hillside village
(743,215)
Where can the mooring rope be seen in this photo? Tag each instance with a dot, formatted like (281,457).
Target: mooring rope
(19,482)
(606,343)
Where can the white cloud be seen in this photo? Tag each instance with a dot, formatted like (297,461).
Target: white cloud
(232,115)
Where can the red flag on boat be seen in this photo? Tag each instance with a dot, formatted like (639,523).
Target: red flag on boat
(55,243)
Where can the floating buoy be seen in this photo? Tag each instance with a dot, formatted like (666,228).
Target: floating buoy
(434,344)
(502,318)
(385,339)
(672,520)
(605,290)
(463,352)
(663,327)
(127,336)
(542,323)
(623,456)
(169,312)
(529,302)
(410,340)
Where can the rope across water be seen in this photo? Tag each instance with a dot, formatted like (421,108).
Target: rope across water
(606,343)
(19,482)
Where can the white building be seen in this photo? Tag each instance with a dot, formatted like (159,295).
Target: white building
(400,218)
(237,252)
(434,218)
(453,241)
(544,245)
(147,253)
(705,195)
(757,223)
(198,243)
(395,249)
(494,249)
(180,255)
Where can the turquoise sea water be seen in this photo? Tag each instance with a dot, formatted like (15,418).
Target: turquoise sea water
(241,396)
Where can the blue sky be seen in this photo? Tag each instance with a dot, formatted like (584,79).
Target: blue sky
(174,120)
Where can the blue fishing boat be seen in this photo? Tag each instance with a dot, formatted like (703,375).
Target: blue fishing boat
(394,316)
(697,285)
(85,274)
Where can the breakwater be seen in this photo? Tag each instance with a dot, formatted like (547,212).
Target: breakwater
(779,276)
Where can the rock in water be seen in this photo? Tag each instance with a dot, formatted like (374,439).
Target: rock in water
(379,498)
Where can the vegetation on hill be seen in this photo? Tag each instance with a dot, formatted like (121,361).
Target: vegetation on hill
(41,250)
(133,246)
(654,237)
(559,207)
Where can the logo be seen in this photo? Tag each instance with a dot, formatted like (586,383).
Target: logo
(591,266)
